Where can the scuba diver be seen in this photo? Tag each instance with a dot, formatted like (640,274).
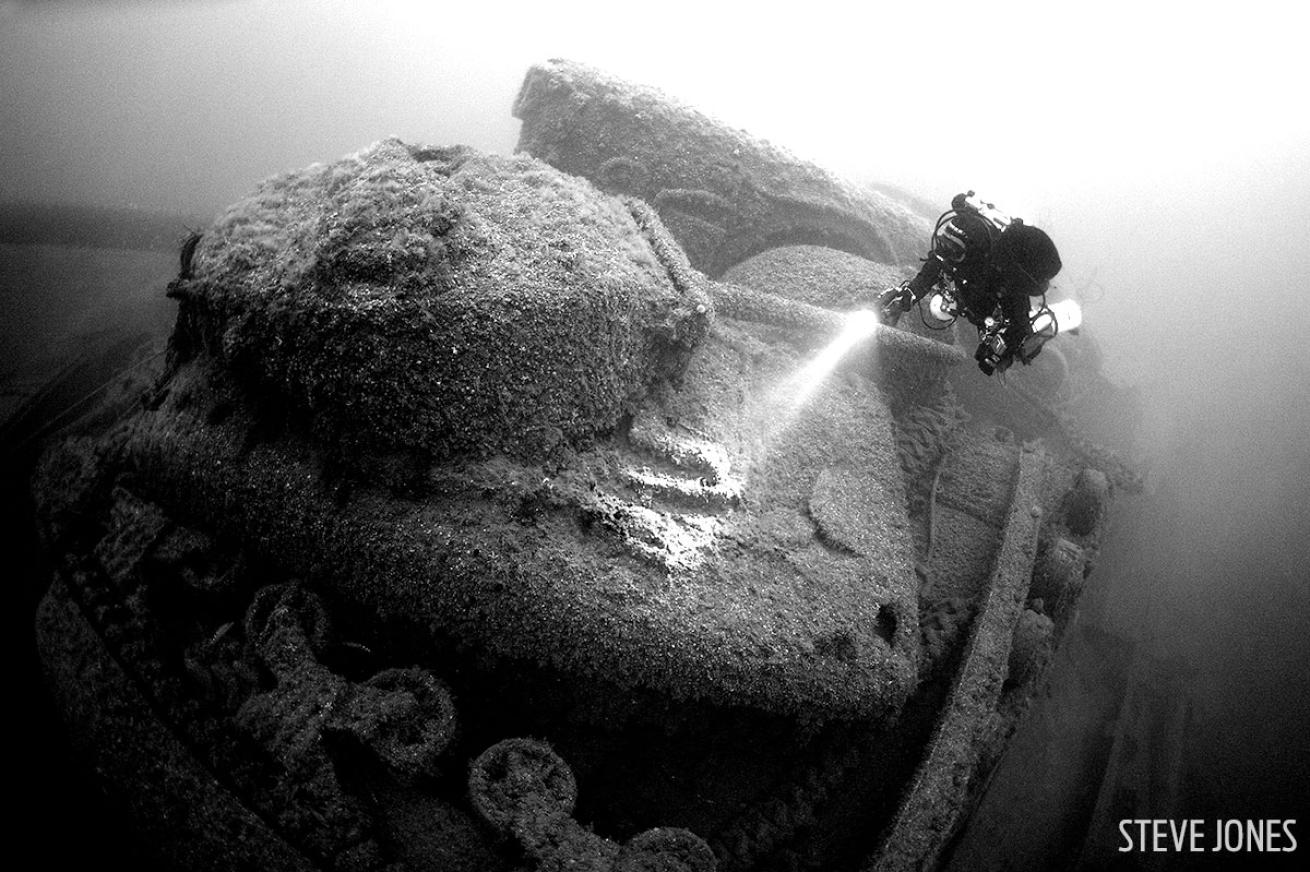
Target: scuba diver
(988,265)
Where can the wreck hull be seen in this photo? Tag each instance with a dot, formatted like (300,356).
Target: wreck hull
(490,557)
(470,525)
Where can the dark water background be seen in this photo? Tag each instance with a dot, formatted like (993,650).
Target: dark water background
(1165,154)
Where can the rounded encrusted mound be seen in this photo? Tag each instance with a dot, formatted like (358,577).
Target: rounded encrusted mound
(666,849)
(441,299)
(724,194)
(1033,634)
(572,459)
(519,778)
(1059,573)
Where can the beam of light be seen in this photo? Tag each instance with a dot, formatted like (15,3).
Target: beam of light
(859,326)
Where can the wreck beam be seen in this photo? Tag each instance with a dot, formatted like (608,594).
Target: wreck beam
(933,806)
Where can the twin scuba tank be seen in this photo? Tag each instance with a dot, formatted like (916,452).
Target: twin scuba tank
(962,241)
(966,233)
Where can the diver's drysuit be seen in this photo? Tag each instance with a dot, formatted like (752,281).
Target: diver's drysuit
(992,260)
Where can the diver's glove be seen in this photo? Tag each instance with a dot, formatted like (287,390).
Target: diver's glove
(893,301)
